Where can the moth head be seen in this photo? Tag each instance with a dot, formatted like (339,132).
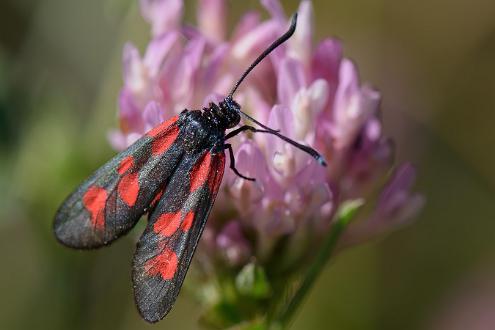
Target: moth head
(230,112)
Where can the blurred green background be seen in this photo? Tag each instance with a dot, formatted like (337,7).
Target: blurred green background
(433,60)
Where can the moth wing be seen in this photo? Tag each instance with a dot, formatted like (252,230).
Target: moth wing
(110,202)
(165,249)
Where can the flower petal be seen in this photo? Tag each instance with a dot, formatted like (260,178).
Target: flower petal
(157,51)
(396,206)
(280,154)
(248,196)
(306,106)
(326,63)
(152,115)
(214,71)
(211,19)
(291,79)
(232,243)
(254,42)
(247,23)
(274,8)
(300,45)
(130,113)
(132,63)
(185,80)
(353,105)
(117,139)
(163,15)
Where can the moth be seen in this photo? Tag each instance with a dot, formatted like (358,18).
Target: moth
(172,173)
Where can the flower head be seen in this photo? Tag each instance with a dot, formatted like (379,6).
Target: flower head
(308,91)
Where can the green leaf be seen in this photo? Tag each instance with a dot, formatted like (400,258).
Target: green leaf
(348,210)
(252,282)
(221,315)
(345,214)
(258,324)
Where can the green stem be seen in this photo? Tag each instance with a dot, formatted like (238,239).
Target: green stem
(344,216)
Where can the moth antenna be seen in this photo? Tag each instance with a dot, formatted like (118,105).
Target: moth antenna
(267,51)
(283,38)
(257,122)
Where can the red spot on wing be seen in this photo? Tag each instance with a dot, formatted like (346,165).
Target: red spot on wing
(188,220)
(164,264)
(162,143)
(94,201)
(125,164)
(200,172)
(167,224)
(219,168)
(156,199)
(128,188)
(162,127)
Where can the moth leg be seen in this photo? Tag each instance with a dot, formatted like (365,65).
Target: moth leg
(248,128)
(232,162)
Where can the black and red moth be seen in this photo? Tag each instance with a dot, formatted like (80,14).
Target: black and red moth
(173,173)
